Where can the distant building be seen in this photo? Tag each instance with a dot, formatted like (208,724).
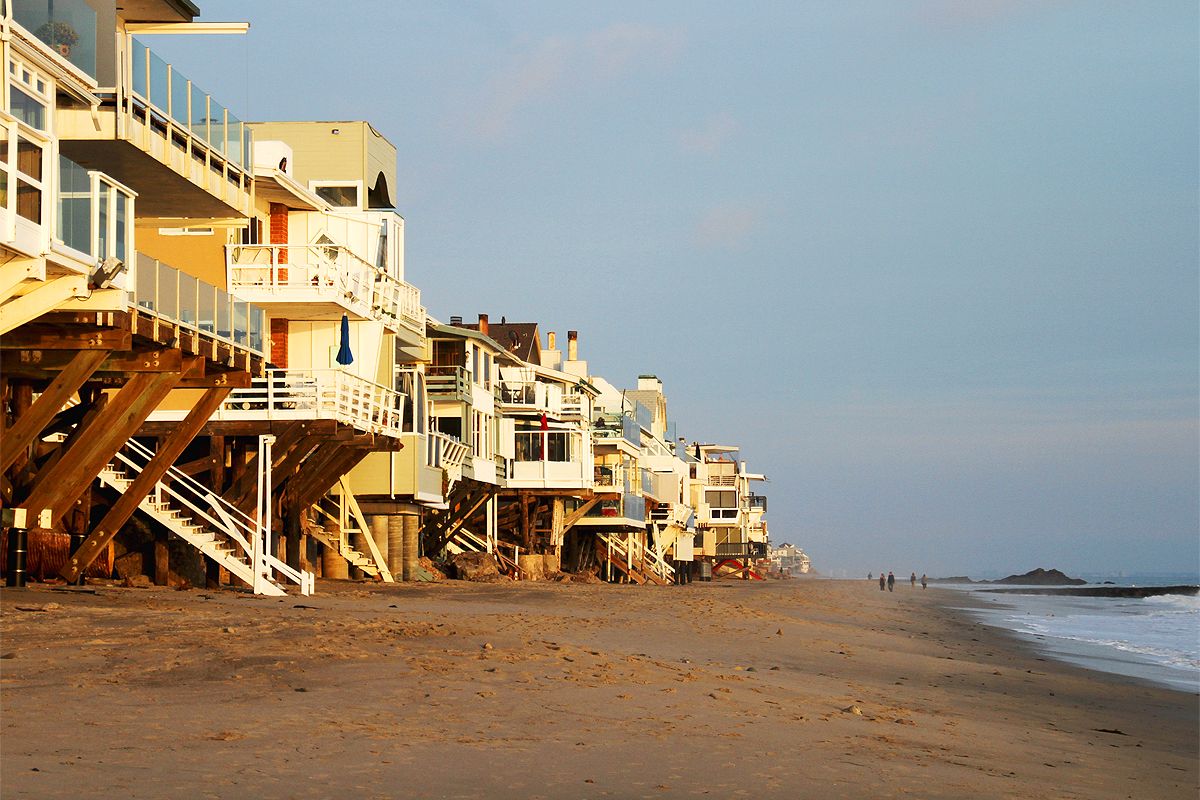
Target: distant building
(791,559)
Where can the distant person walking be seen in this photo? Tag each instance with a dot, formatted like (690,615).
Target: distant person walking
(882,582)
(891,582)
(924,581)
(913,580)
(870,575)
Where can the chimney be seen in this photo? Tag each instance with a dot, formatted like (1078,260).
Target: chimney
(550,340)
(456,321)
(572,345)
(483,328)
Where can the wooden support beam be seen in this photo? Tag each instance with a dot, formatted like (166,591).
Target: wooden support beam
(151,474)
(58,487)
(570,519)
(26,427)
(31,305)
(147,360)
(44,338)
(342,463)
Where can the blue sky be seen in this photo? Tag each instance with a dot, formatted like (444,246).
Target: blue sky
(932,264)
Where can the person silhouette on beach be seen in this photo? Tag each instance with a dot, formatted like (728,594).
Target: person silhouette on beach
(870,576)
(913,580)
(891,582)
(882,582)
(924,581)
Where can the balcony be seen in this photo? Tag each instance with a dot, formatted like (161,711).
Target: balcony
(613,428)
(756,502)
(448,382)
(627,511)
(182,300)
(94,215)
(66,27)
(741,550)
(320,281)
(549,460)
(159,118)
(313,394)
(611,479)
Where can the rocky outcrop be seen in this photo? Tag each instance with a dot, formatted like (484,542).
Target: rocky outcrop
(1041,577)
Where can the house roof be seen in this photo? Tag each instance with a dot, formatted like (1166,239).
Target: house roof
(519,338)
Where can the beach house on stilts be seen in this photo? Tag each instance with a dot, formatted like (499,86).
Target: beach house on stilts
(731,531)
(102,317)
(323,255)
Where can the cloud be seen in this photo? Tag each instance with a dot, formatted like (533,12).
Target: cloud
(712,136)
(726,226)
(558,65)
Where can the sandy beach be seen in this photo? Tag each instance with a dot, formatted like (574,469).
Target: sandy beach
(800,688)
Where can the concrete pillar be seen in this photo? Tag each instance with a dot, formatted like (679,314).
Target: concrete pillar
(333,565)
(395,537)
(412,544)
(378,523)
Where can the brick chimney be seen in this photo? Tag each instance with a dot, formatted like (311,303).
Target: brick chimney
(483,324)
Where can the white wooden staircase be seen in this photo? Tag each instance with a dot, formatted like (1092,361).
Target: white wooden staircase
(209,523)
(340,512)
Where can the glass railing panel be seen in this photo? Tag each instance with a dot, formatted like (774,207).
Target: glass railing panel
(258,324)
(187,299)
(224,315)
(206,308)
(198,119)
(74,205)
(247,149)
(216,125)
(140,64)
(233,139)
(160,84)
(241,322)
(168,291)
(147,281)
(178,110)
(68,27)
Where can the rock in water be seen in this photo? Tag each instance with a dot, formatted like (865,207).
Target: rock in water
(1042,577)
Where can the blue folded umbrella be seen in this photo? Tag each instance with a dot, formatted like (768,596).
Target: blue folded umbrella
(344,356)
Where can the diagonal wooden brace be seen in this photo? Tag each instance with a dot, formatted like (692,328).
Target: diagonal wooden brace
(133,495)
(59,486)
(31,423)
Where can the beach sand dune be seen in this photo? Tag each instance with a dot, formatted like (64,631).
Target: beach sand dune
(822,689)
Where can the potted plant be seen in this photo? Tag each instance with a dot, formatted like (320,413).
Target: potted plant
(59,35)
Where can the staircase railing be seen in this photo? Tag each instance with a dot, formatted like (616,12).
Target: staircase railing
(202,505)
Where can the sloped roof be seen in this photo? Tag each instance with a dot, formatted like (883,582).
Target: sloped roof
(519,338)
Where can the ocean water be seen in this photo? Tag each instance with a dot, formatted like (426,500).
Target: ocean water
(1152,638)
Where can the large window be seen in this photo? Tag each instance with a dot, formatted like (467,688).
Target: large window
(722,505)
(339,195)
(543,446)
(29,95)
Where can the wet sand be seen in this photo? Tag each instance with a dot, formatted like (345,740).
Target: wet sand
(789,689)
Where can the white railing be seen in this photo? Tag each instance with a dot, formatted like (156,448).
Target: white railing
(326,273)
(721,480)
(191,303)
(317,394)
(445,452)
(200,504)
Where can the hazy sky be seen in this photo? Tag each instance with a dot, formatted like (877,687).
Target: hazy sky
(933,264)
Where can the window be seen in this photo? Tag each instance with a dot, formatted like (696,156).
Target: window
(28,95)
(185,231)
(29,179)
(339,195)
(721,504)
